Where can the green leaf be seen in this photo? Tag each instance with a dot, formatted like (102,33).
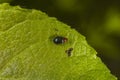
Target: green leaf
(27,50)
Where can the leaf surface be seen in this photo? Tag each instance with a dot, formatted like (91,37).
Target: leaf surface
(27,50)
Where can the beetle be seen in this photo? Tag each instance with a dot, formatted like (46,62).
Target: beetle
(60,40)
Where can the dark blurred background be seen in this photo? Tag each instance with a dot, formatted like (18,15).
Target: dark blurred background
(98,20)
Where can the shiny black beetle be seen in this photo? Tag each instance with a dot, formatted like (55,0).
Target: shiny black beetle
(60,40)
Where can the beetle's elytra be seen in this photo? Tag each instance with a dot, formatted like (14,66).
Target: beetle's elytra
(60,40)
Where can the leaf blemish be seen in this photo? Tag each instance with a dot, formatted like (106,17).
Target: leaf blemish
(56,29)
(69,51)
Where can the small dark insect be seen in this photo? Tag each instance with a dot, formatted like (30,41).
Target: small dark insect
(69,51)
(60,40)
